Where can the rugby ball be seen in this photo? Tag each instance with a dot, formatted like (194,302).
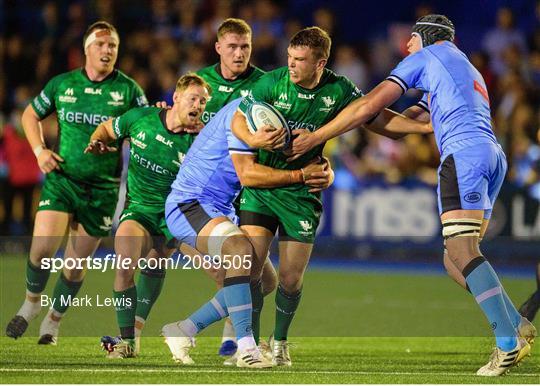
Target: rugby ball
(260,114)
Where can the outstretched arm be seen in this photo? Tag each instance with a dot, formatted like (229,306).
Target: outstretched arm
(354,115)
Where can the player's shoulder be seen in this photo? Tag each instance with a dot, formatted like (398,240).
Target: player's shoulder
(70,77)
(277,74)
(333,79)
(208,72)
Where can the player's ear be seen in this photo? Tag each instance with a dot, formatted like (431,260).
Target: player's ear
(217,46)
(321,63)
(176,96)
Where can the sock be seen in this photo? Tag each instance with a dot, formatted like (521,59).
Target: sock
(238,300)
(36,278)
(228,331)
(64,292)
(487,290)
(286,305)
(125,311)
(30,309)
(139,325)
(212,311)
(257,300)
(513,313)
(149,287)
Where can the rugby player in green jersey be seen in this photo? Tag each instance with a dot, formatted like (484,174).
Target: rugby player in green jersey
(80,190)
(233,77)
(159,144)
(308,95)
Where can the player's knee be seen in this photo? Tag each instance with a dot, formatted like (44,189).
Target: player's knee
(461,239)
(75,275)
(291,282)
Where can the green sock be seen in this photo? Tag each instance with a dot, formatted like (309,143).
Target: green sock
(257,300)
(36,278)
(64,292)
(148,289)
(286,305)
(125,311)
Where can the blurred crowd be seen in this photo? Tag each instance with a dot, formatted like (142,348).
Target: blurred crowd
(161,40)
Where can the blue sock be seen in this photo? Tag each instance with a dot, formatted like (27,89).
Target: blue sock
(238,299)
(515,316)
(211,312)
(487,290)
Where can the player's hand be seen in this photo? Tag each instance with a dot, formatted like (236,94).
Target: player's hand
(321,180)
(98,147)
(268,138)
(303,141)
(428,128)
(48,161)
(163,105)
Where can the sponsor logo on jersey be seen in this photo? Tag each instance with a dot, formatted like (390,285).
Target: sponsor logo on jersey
(283,96)
(38,106)
(92,91)
(180,161)
(245,93)
(307,228)
(306,96)
(140,144)
(243,201)
(141,101)
(150,165)
(80,117)
(206,116)
(44,202)
(107,223)
(329,102)
(472,197)
(45,99)
(225,89)
(68,96)
(117,98)
(282,105)
(163,140)
(141,135)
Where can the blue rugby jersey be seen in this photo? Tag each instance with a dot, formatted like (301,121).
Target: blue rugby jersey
(207,171)
(458,99)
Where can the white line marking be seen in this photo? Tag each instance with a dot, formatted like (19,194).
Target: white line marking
(222,371)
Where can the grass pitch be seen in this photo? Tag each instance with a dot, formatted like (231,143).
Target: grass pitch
(352,327)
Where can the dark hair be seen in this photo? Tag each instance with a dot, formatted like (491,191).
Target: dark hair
(315,38)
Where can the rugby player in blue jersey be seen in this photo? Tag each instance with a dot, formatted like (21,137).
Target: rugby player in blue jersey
(199,212)
(471,173)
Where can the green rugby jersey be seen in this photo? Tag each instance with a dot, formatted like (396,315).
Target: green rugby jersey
(81,105)
(155,154)
(223,90)
(302,108)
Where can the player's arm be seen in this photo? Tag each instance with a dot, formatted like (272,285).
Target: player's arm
(252,174)
(102,135)
(394,125)
(267,137)
(47,159)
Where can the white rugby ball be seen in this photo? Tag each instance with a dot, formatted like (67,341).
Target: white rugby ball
(260,114)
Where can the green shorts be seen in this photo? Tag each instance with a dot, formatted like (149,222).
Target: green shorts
(91,206)
(152,218)
(292,210)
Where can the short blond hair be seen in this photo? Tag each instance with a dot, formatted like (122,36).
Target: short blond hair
(315,38)
(235,26)
(191,78)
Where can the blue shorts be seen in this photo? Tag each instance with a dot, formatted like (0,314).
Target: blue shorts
(471,178)
(186,218)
